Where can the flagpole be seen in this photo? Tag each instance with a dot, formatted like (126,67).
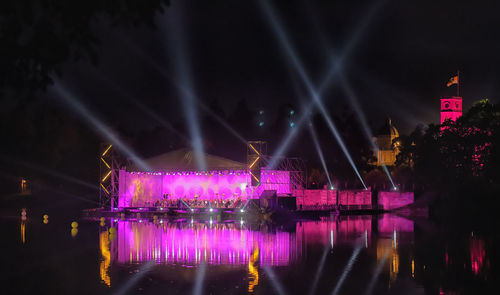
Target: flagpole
(458,83)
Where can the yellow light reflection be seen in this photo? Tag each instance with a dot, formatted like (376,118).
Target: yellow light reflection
(394,266)
(386,247)
(106,255)
(253,271)
(413,268)
(23,232)
(106,151)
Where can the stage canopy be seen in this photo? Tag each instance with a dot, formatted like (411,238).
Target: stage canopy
(184,160)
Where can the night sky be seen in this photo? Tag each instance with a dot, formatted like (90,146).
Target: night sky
(399,67)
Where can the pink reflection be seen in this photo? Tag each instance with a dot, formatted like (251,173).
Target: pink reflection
(477,254)
(196,243)
(391,223)
(349,229)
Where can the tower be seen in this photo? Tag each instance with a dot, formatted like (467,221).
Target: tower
(451,108)
(256,150)
(386,150)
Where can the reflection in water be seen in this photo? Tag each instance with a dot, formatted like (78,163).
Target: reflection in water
(195,243)
(192,243)
(23,231)
(477,254)
(252,269)
(106,257)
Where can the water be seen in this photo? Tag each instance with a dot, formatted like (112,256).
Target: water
(384,254)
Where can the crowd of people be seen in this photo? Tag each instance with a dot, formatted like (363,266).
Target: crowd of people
(196,202)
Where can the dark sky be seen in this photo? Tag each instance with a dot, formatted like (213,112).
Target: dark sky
(399,66)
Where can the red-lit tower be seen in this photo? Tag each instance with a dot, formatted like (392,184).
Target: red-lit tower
(451,108)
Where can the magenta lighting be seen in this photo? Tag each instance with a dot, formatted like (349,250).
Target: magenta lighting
(143,189)
(197,243)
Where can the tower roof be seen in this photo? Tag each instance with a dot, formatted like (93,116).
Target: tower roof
(389,129)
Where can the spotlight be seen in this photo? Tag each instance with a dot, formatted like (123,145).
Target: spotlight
(394,188)
(211,210)
(261,124)
(74,103)
(192,210)
(242,210)
(316,94)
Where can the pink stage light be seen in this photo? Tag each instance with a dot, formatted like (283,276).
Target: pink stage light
(193,244)
(145,188)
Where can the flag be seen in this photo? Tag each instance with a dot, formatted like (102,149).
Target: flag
(453,80)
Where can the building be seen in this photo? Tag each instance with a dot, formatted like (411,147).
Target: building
(451,108)
(386,151)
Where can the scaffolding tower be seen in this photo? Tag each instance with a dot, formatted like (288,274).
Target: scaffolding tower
(108,176)
(256,151)
(296,167)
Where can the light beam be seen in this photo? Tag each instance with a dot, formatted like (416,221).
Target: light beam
(314,285)
(378,270)
(274,280)
(313,92)
(364,124)
(188,96)
(347,269)
(125,288)
(320,153)
(200,276)
(104,130)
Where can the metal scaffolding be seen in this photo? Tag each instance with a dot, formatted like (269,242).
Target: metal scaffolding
(256,151)
(296,167)
(108,176)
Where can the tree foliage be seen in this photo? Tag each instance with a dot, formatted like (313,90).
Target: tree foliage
(457,152)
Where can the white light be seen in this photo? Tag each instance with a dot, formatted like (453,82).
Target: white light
(192,210)
(242,210)
(211,210)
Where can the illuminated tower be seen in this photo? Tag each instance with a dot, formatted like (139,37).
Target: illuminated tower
(451,108)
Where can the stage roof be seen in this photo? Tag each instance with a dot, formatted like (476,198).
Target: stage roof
(184,160)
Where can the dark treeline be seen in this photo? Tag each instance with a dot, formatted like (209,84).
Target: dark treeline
(459,160)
